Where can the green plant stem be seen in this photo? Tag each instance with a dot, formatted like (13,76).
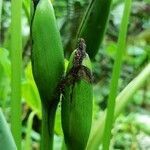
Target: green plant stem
(29,130)
(1,4)
(63,146)
(122,100)
(115,76)
(16,65)
(48,120)
(124,97)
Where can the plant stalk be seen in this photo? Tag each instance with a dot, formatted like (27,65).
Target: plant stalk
(115,75)
(29,130)
(122,100)
(16,66)
(48,121)
(1,5)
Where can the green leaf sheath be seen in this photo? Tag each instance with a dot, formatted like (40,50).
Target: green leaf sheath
(47,65)
(48,120)
(93,25)
(77,114)
(76,110)
(47,51)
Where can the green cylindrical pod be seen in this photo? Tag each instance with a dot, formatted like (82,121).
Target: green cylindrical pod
(47,65)
(47,51)
(77,104)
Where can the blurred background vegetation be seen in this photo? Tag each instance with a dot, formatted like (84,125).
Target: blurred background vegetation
(132,128)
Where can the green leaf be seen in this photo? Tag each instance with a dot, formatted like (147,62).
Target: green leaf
(6,139)
(116,74)
(93,25)
(4,76)
(30,92)
(4,61)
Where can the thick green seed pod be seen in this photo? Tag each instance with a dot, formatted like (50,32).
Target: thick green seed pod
(47,51)
(47,64)
(77,98)
(93,25)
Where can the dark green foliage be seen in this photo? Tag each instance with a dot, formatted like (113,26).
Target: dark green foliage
(94,24)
